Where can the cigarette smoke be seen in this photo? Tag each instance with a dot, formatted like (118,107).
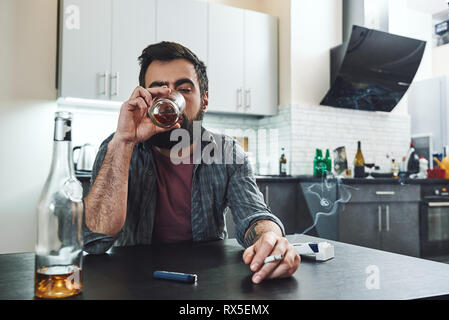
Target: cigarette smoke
(323,191)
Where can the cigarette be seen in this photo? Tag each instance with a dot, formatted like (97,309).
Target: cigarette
(273,258)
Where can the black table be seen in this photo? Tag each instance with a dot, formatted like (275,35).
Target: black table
(126,273)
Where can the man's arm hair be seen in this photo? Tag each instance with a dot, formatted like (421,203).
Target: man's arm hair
(258,228)
(105,206)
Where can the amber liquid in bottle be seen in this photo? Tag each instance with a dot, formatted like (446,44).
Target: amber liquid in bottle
(56,283)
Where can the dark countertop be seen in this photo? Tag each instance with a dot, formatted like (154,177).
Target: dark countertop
(85,177)
(305,178)
(126,273)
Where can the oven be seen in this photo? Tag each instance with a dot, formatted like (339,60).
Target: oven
(434,222)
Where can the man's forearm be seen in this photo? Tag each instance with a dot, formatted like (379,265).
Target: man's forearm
(106,202)
(258,228)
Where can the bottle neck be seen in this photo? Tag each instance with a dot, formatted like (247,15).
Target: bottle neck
(62,162)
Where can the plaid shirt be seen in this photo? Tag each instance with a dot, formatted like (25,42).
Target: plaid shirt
(215,187)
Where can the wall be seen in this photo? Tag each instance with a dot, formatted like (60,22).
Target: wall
(316,26)
(27,104)
(440,62)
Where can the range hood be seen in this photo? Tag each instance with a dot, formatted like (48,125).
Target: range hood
(372,70)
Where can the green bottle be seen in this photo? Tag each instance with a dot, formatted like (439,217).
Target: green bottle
(318,163)
(328,161)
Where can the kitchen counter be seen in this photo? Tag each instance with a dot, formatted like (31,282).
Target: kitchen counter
(305,178)
(126,273)
(85,177)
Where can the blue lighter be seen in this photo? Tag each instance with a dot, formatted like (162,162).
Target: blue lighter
(177,276)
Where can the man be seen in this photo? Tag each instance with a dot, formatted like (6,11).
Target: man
(139,196)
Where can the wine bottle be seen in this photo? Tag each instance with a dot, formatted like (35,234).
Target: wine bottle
(359,162)
(59,243)
(283,164)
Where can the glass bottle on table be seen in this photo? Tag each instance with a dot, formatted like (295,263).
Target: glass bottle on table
(59,243)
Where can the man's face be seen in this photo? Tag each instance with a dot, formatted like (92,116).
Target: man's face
(179,75)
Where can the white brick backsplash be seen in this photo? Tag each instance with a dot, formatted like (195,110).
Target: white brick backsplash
(302,129)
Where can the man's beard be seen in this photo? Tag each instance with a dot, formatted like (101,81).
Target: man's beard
(162,139)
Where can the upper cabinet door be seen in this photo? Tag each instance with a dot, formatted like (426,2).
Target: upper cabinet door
(85,49)
(133,29)
(226,66)
(261,63)
(184,22)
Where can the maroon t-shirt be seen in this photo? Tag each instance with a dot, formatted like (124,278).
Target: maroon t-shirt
(172,222)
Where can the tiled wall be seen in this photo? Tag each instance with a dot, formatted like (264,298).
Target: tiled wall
(326,127)
(302,129)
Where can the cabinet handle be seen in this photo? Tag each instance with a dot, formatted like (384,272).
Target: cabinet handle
(388,217)
(379,218)
(438,204)
(105,76)
(385,193)
(247,99)
(267,201)
(117,79)
(239,97)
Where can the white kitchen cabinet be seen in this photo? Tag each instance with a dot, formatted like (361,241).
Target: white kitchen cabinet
(85,49)
(101,41)
(133,29)
(99,54)
(184,22)
(226,63)
(243,61)
(261,63)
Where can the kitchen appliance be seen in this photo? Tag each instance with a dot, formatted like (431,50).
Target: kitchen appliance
(373,70)
(428,106)
(423,144)
(434,222)
(86,157)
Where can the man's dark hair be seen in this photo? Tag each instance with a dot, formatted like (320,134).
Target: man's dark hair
(167,51)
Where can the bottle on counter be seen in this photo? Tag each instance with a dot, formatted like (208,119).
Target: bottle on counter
(319,166)
(283,164)
(423,166)
(394,168)
(328,161)
(59,243)
(412,160)
(359,162)
(403,165)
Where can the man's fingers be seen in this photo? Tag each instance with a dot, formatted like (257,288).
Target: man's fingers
(149,94)
(263,247)
(248,254)
(138,102)
(143,93)
(287,267)
(280,248)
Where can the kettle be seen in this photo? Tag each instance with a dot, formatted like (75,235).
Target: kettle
(444,164)
(86,157)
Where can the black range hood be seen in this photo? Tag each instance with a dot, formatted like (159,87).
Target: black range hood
(373,70)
